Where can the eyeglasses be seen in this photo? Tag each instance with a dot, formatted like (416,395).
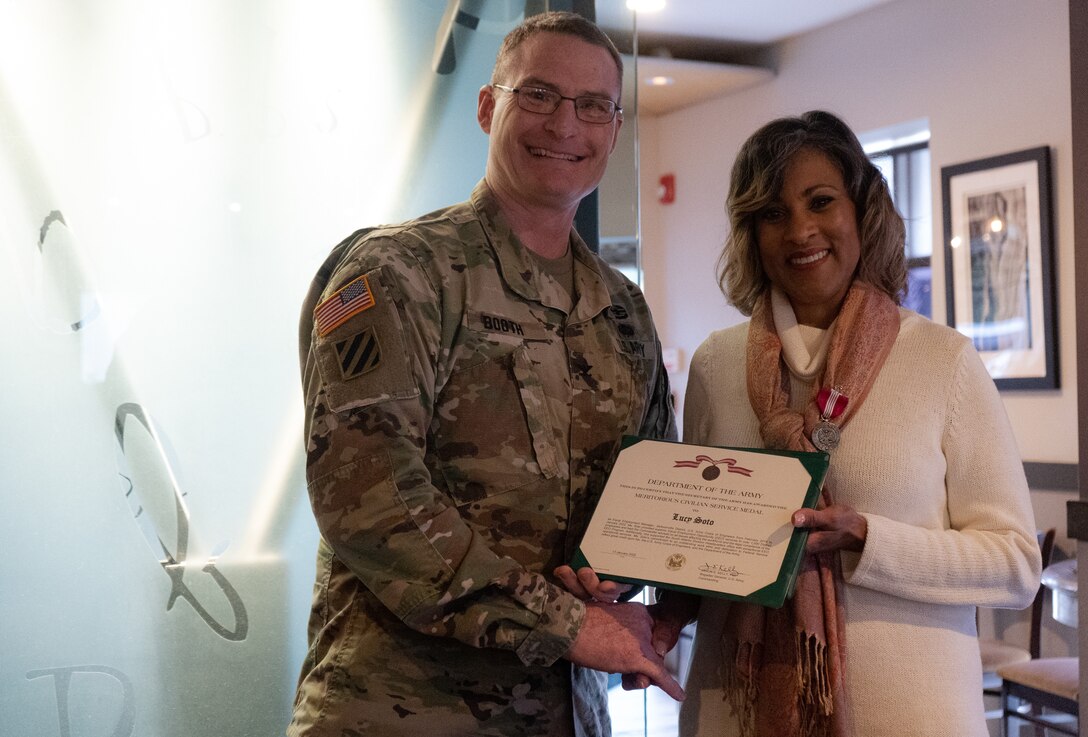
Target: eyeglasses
(597,110)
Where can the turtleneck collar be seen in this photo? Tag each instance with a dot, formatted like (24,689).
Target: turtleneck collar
(804,348)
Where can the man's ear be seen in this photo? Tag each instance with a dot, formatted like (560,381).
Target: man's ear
(485,108)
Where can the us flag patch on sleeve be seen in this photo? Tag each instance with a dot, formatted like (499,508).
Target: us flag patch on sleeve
(349,301)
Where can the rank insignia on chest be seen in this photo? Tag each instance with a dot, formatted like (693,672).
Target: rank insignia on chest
(634,348)
(358,354)
(350,300)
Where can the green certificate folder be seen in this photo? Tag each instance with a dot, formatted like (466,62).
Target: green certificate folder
(707,520)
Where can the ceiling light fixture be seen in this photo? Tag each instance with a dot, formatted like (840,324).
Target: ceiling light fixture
(660,81)
(645,6)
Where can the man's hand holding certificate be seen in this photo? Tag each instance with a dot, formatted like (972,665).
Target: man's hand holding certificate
(712,521)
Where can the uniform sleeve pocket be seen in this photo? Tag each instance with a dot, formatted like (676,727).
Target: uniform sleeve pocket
(364,361)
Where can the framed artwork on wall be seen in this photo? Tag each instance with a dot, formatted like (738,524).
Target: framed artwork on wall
(999,264)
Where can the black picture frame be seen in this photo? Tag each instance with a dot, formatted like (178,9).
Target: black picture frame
(999,264)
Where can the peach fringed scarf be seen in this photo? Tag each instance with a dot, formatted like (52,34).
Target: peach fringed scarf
(787,677)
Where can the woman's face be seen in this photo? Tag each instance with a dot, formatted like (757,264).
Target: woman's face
(808,238)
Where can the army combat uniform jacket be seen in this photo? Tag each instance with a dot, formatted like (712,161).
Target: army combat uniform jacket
(459,429)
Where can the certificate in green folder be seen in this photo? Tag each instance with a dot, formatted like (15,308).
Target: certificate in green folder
(703,519)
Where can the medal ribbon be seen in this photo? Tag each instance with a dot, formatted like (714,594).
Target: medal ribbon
(831,403)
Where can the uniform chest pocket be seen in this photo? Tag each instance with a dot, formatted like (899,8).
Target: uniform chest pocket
(492,430)
(637,361)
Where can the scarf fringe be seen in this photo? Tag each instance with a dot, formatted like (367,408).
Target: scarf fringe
(814,686)
(739,685)
(814,689)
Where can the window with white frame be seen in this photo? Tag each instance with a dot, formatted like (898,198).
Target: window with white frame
(904,160)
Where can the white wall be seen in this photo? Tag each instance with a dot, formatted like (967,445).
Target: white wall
(991,76)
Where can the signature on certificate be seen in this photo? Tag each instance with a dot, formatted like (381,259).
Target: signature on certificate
(720,570)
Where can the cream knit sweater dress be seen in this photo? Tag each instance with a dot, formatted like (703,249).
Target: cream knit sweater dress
(931,462)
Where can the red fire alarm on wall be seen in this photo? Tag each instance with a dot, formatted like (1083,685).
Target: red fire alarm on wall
(666,189)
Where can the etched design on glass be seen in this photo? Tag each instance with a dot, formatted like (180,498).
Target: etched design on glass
(68,304)
(158,507)
(62,684)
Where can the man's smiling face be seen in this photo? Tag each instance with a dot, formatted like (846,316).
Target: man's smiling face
(555,160)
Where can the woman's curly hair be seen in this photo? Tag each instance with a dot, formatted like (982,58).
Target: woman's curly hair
(756,181)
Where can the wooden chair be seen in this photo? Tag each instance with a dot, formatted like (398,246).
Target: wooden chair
(997,653)
(1030,688)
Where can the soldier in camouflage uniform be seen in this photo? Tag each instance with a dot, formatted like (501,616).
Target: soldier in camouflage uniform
(468,376)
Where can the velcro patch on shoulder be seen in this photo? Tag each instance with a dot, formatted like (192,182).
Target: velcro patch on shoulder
(366,359)
(350,300)
(358,354)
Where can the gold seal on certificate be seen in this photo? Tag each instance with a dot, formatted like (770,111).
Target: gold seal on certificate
(703,519)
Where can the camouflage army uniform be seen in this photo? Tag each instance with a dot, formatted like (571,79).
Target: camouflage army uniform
(458,432)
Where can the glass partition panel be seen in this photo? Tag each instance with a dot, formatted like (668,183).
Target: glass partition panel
(171,176)
(650,712)
(619,191)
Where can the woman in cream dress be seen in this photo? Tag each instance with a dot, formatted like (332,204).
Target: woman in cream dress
(927,514)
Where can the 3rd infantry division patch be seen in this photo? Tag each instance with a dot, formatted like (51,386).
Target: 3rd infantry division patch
(358,354)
